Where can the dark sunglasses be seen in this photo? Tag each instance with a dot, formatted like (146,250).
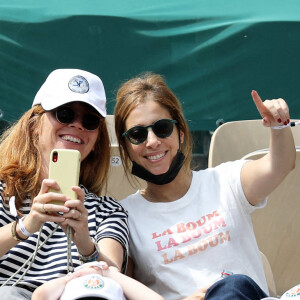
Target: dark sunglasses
(161,128)
(66,115)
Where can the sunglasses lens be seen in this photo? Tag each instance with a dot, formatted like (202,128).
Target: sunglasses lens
(90,122)
(163,128)
(65,115)
(137,135)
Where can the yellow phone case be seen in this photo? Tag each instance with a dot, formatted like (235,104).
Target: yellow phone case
(64,168)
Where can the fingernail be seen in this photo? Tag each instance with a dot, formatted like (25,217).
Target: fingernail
(285,123)
(288,120)
(279,120)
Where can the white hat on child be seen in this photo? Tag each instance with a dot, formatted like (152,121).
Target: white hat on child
(92,285)
(63,86)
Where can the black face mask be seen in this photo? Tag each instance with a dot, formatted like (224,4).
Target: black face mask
(160,179)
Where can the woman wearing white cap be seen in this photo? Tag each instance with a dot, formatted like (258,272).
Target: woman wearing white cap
(67,113)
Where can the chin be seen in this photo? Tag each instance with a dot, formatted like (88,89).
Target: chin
(159,172)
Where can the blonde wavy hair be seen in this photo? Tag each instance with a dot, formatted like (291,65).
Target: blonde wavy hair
(20,159)
(148,86)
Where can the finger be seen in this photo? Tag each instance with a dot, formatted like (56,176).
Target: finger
(53,218)
(42,208)
(280,113)
(284,109)
(55,198)
(277,112)
(74,204)
(55,208)
(47,184)
(84,271)
(79,214)
(52,200)
(46,216)
(273,112)
(80,193)
(104,265)
(76,225)
(258,102)
(74,214)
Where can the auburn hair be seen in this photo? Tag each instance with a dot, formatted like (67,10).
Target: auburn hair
(21,162)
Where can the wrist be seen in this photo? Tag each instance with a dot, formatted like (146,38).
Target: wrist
(94,256)
(22,229)
(18,237)
(86,247)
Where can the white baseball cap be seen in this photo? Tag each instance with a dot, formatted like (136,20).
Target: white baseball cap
(92,285)
(68,85)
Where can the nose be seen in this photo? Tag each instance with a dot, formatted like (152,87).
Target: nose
(77,122)
(152,140)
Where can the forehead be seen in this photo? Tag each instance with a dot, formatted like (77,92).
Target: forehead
(146,113)
(81,107)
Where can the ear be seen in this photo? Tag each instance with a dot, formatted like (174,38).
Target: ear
(181,137)
(37,129)
(36,132)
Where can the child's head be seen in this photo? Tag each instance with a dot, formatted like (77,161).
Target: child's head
(92,298)
(92,286)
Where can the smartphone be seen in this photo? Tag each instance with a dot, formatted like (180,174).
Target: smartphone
(64,168)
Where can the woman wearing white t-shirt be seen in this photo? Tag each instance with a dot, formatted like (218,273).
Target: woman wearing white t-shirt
(187,227)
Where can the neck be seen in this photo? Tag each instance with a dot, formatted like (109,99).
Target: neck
(171,191)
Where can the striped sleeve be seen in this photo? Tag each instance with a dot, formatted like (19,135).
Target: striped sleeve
(106,218)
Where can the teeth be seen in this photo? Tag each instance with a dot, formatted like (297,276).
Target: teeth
(155,157)
(71,139)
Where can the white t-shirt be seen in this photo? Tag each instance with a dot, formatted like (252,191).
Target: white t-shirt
(181,246)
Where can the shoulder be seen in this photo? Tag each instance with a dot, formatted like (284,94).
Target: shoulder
(101,202)
(228,166)
(225,172)
(2,186)
(133,201)
(131,198)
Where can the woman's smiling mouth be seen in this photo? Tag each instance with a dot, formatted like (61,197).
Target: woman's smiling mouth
(73,139)
(156,157)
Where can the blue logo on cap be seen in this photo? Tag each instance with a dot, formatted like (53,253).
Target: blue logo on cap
(79,84)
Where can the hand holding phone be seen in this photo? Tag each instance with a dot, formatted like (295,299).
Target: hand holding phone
(64,168)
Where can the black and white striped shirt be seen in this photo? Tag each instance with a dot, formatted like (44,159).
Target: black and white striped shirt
(107,219)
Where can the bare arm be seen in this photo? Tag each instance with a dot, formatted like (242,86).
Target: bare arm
(130,267)
(260,177)
(6,239)
(35,218)
(112,252)
(50,290)
(133,290)
(198,295)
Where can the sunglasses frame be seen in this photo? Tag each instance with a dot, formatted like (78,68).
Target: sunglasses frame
(83,116)
(126,133)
